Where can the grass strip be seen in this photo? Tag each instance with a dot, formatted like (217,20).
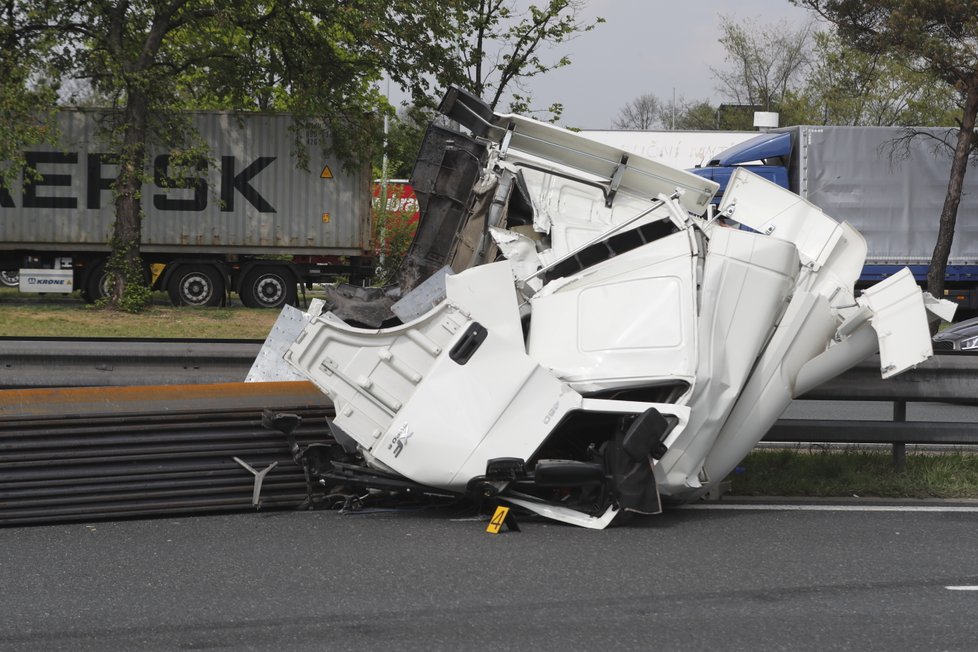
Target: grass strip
(75,318)
(827,473)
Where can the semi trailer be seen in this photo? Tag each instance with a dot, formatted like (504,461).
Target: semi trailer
(246,218)
(890,188)
(675,148)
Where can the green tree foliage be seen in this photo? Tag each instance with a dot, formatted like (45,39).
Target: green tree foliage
(26,118)
(403,141)
(27,93)
(830,82)
(319,59)
(846,86)
(497,50)
(697,115)
(502,48)
(930,37)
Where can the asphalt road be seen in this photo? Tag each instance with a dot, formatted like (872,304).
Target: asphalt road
(724,579)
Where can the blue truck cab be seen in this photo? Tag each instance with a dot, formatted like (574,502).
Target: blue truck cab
(766,155)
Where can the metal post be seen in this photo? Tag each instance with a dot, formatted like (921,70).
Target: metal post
(673,108)
(899,449)
(382,212)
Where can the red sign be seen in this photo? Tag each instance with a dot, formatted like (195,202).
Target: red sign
(401,201)
(396,220)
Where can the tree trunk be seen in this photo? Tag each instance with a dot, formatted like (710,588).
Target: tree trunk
(124,264)
(959,165)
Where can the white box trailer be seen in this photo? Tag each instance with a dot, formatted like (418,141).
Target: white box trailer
(678,149)
(252,221)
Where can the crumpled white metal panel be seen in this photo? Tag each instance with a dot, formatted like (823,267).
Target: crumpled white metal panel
(900,322)
(747,281)
(801,335)
(772,210)
(573,213)
(413,408)
(641,177)
(836,279)
(269,365)
(830,257)
(520,251)
(628,320)
(370,375)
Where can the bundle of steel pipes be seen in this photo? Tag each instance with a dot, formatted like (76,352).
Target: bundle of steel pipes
(97,453)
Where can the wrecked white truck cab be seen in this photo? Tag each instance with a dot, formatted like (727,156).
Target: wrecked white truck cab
(598,340)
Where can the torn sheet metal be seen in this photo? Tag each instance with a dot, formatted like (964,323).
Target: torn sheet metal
(603,344)
(269,365)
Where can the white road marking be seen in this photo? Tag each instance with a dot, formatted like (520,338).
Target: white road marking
(961,588)
(838,508)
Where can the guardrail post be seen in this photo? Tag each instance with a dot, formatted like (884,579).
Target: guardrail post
(899,449)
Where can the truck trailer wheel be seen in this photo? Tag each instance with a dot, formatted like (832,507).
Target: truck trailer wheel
(10,278)
(96,284)
(268,287)
(196,285)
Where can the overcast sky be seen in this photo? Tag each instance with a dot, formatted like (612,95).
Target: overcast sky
(646,46)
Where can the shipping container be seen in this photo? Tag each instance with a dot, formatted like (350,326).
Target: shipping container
(249,220)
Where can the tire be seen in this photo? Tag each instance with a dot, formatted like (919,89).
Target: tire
(268,287)
(196,285)
(9,278)
(96,284)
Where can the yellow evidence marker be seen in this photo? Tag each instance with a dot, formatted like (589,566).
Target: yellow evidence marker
(498,518)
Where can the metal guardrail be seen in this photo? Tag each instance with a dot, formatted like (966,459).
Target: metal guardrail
(39,363)
(952,378)
(946,378)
